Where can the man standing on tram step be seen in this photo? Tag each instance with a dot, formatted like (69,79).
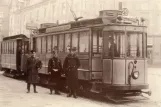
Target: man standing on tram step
(71,65)
(55,70)
(33,65)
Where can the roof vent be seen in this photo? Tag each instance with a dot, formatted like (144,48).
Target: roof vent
(111,14)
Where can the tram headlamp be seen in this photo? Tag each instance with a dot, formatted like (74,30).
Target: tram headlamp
(135,75)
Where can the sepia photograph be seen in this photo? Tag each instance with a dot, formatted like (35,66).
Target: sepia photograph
(80,53)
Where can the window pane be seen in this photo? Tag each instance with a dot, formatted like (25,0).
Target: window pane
(84,40)
(54,41)
(119,45)
(13,47)
(43,44)
(140,46)
(6,47)
(10,48)
(107,44)
(100,41)
(75,40)
(95,45)
(61,42)
(67,42)
(134,45)
(49,44)
(38,44)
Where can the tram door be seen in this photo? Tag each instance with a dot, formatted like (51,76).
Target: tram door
(107,54)
(25,54)
(96,54)
(18,55)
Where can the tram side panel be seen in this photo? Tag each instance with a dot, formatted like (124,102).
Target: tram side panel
(107,71)
(3,55)
(83,71)
(118,72)
(140,68)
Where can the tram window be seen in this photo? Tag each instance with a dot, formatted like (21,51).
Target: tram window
(49,39)
(6,47)
(145,44)
(0,48)
(84,42)
(67,42)
(38,44)
(107,44)
(26,46)
(13,47)
(135,45)
(9,47)
(75,40)
(54,41)
(61,42)
(43,44)
(119,44)
(3,48)
(97,41)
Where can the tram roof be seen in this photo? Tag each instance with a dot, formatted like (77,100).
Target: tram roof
(85,23)
(21,36)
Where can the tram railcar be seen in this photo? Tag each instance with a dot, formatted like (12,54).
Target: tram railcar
(112,50)
(13,50)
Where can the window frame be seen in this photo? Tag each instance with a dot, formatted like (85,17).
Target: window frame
(37,50)
(63,41)
(52,37)
(70,41)
(79,38)
(143,45)
(48,44)
(98,46)
(77,47)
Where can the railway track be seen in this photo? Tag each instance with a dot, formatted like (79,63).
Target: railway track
(88,94)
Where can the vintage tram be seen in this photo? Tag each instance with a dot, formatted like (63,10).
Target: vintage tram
(12,56)
(112,50)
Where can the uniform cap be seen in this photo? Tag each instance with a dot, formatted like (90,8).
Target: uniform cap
(73,49)
(32,51)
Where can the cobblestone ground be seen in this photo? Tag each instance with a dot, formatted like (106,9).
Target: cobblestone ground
(13,94)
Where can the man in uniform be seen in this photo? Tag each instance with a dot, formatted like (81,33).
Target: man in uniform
(33,64)
(55,70)
(71,65)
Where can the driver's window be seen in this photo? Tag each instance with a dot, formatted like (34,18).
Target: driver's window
(107,44)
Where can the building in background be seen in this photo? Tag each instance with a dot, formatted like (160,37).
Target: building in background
(4,19)
(59,11)
(51,11)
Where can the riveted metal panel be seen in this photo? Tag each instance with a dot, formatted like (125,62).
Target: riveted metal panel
(119,71)
(107,71)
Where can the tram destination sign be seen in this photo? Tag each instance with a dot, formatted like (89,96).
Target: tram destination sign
(31,26)
(58,28)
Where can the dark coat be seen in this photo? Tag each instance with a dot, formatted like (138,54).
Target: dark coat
(54,63)
(33,64)
(71,65)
